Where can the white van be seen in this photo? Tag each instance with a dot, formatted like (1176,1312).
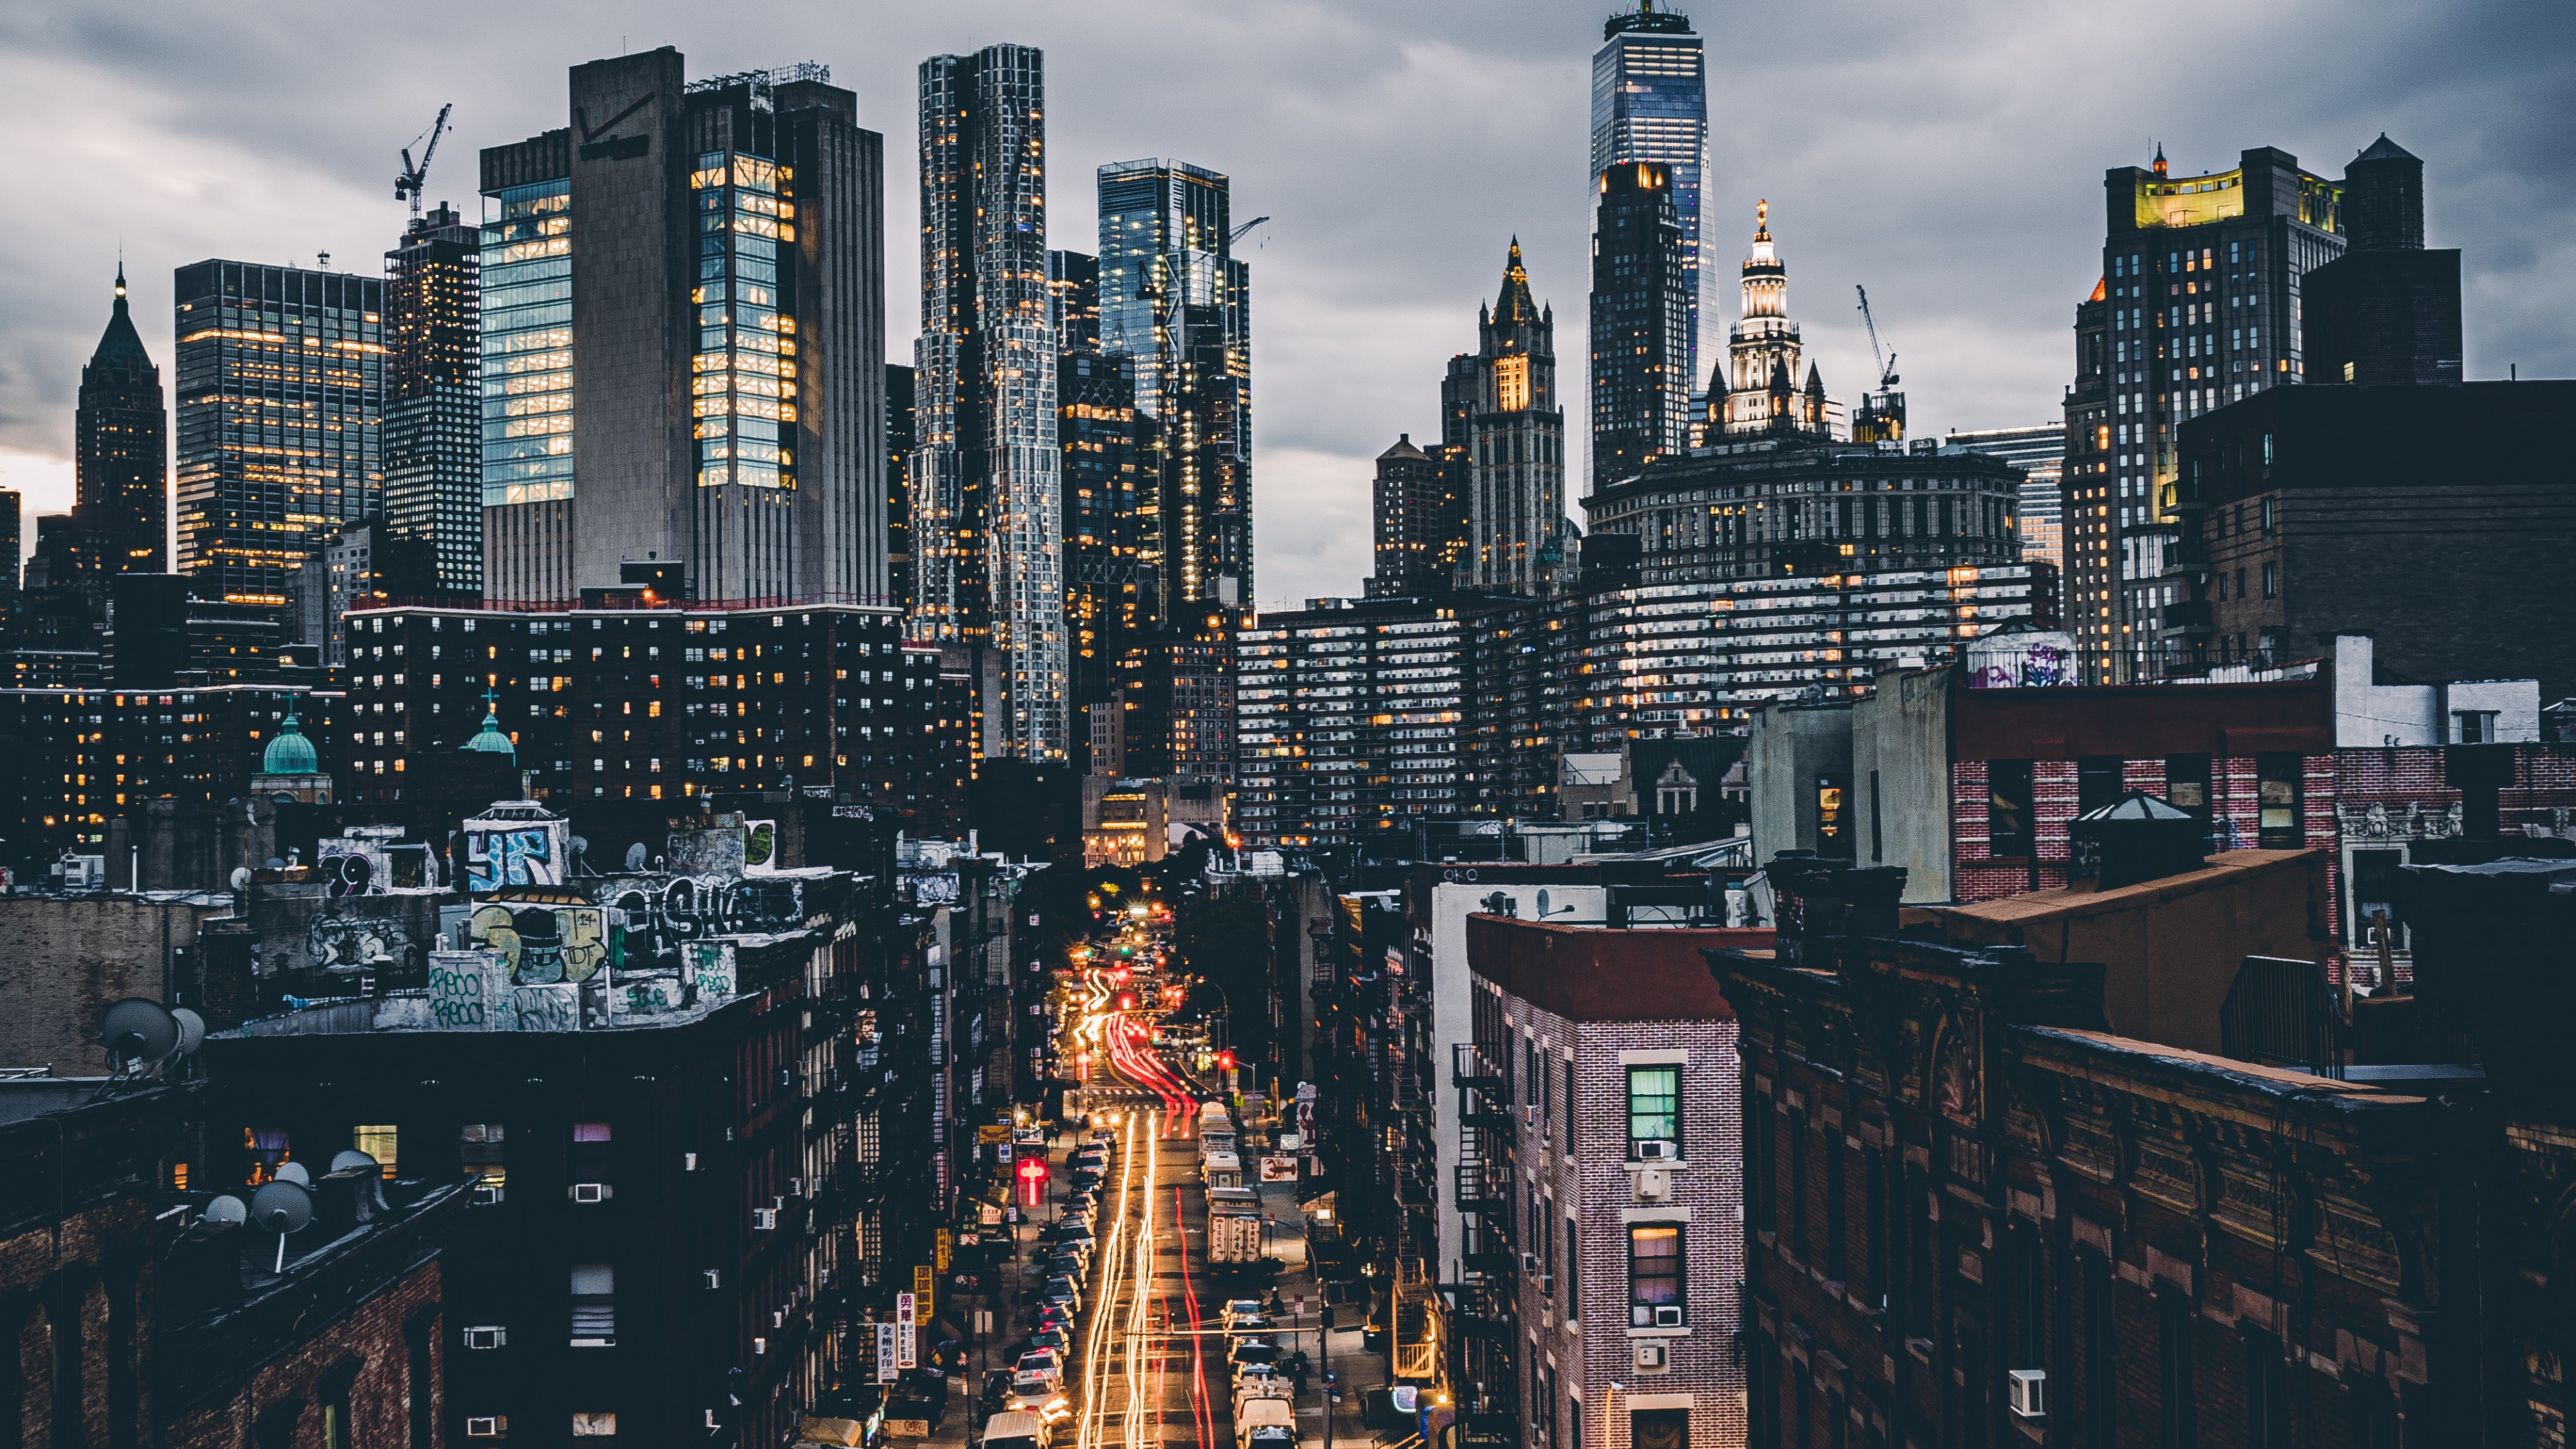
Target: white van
(1015,1430)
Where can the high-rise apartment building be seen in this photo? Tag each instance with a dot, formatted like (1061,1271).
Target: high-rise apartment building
(1503,398)
(1641,320)
(120,471)
(682,324)
(2198,306)
(1762,394)
(434,407)
(1173,298)
(898,491)
(1109,586)
(2040,453)
(281,420)
(987,499)
(1650,103)
(1418,516)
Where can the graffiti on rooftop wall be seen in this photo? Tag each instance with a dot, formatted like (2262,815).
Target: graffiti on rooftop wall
(353,942)
(518,844)
(664,913)
(542,945)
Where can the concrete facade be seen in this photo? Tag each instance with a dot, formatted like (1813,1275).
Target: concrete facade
(1796,752)
(71,957)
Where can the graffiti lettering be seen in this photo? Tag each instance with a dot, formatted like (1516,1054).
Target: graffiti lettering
(546,1008)
(456,992)
(517,855)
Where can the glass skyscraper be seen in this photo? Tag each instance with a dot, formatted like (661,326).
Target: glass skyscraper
(682,320)
(1650,103)
(281,420)
(987,485)
(434,409)
(1174,301)
(1640,322)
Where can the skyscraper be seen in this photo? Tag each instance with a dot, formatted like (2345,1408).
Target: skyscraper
(120,472)
(1641,377)
(281,420)
(1419,522)
(434,407)
(898,491)
(987,498)
(1108,587)
(683,327)
(1650,103)
(1174,299)
(2198,306)
(1762,355)
(1505,396)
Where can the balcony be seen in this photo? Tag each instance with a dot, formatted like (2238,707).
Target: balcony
(1495,1263)
(1480,1195)
(2189,619)
(1469,1071)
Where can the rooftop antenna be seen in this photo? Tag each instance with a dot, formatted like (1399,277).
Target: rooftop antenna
(414,178)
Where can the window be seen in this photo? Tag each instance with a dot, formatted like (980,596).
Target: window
(377,1142)
(1836,1236)
(594,1425)
(1654,1106)
(1655,1275)
(1831,838)
(1877,838)
(1573,1262)
(478,1150)
(1874,1224)
(1798,1134)
(2177,1422)
(2029,1289)
(594,1305)
(1659,1429)
(2271,580)
(2008,808)
(2280,787)
(2476,726)
(2267,1392)
(2101,1389)
(2187,783)
(2097,782)
(1762,1182)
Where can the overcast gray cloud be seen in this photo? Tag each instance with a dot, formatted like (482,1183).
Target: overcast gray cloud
(1949,157)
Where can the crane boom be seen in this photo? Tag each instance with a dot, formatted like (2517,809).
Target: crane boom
(1886,360)
(414,177)
(1237,234)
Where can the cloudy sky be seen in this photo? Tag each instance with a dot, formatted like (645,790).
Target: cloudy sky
(1948,157)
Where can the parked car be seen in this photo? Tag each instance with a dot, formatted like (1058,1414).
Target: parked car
(1042,1360)
(1240,1308)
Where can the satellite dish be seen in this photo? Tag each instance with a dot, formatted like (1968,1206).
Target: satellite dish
(281,1206)
(295,1172)
(353,1158)
(241,877)
(276,864)
(192,1029)
(227,1212)
(635,856)
(136,1031)
(580,847)
(1542,903)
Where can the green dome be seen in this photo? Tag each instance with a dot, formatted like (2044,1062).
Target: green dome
(490,740)
(290,753)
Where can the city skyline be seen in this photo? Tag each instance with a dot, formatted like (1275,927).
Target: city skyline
(1358,301)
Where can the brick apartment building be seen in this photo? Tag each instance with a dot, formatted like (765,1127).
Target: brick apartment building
(1975,1217)
(1972,790)
(1601,1161)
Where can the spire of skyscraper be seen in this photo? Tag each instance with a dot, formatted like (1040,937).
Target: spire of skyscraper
(120,490)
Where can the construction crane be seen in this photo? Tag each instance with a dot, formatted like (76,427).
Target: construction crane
(1237,234)
(415,178)
(1886,361)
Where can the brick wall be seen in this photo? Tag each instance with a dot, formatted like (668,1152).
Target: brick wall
(371,1352)
(68,959)
(1596,1191)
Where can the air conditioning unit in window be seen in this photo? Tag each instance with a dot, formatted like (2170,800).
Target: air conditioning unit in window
(1529,1262)
(1650,1356)
(590,1192)
(795,1187)
(764,1219)
(492,1427)
(760,1345)
(490,1337)
(1654,1184)
(1659,1152)
(2028,1390)
(1668,1315)
(714,1277)
(486,1194)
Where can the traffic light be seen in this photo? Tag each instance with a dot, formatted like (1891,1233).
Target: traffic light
(1225,1060)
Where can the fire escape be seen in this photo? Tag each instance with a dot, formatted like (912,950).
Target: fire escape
(1486,1297)
(1413,1169)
